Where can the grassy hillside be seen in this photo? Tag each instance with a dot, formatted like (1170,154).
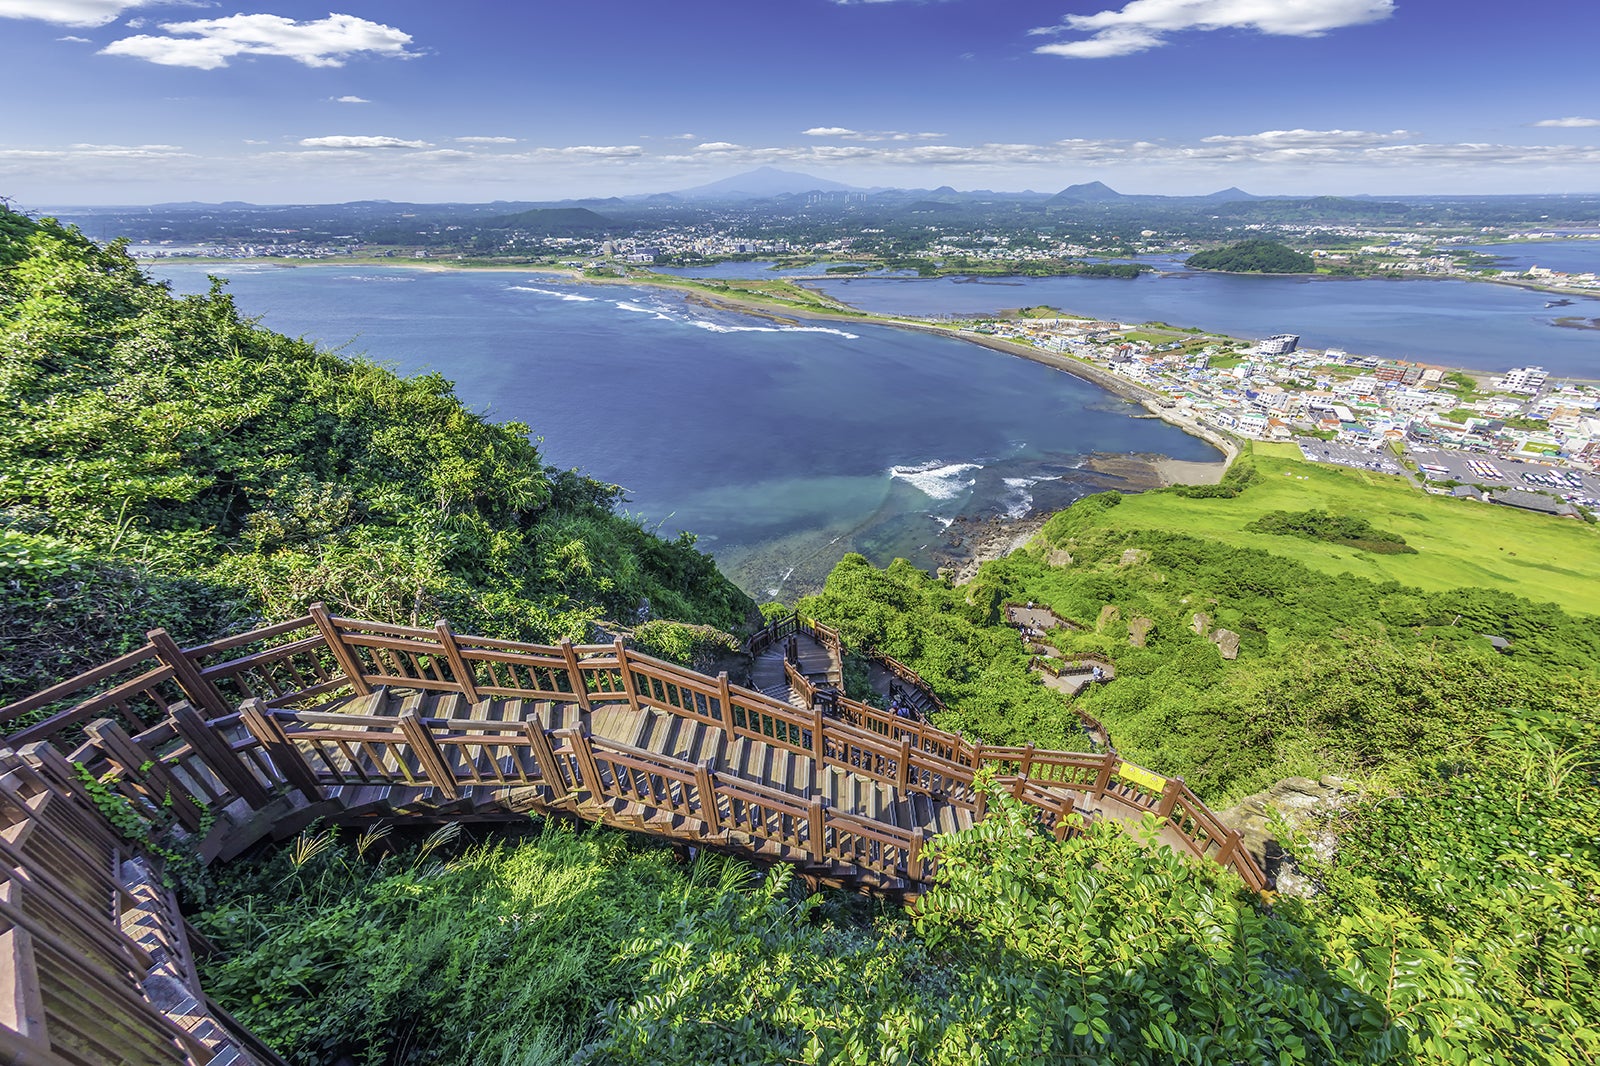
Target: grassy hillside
(1458,542)
(164,461)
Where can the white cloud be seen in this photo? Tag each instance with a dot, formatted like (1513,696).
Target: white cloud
(75,39)
(1141,25)
(1282,139)
(68,12)
(343,141)
(601,151)
(487,140)
(1572,123)
(350,100)
(718,146)
(844,134)
(210,43)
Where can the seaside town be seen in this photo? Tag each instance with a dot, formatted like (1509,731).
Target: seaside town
(1521,438)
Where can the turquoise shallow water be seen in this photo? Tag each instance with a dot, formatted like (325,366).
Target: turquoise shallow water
(781,448)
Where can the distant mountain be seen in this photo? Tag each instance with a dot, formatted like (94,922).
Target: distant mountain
(763,184)
(1092,192)
(555,222)
(1233,192)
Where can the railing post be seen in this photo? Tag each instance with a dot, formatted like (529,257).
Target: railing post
(725,694)
(579,739)
(580,691)
(1102,780)
(819,740)
(148,771)
(458,664)
(708,798)
(270,734)
(341,652)
(814,818)
(200,690)
(1027,758)
(550,769)
(1169,797)
(919,838)
(429,755)
(980,805)
(219,756)
(1230,845)
(627,675)
(902,772)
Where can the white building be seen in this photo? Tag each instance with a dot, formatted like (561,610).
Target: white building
(1527,379)
(1279,344)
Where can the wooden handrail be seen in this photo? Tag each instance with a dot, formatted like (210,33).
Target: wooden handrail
(880,746)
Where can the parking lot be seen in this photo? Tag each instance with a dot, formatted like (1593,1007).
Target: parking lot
(1324,451)
(1494,472)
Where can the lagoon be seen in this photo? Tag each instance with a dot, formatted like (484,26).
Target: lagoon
(1473,325)
(781,447)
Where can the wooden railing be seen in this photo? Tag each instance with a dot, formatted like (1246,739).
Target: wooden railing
(305,682)
(301,713)
(85,930)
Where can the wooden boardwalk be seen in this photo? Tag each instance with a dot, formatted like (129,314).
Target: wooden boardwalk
(259,735)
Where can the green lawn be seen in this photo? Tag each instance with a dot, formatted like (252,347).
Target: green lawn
(1458,542)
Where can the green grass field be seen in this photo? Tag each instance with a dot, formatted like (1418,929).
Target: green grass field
(1458,542)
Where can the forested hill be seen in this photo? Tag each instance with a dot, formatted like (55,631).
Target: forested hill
(1254,257)
(164,461)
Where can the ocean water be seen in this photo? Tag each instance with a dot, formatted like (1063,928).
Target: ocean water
(1572,256)
(780,447)
(1475,325)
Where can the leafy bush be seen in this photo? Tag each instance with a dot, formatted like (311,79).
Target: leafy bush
(1348,530)
(693,646)
(192,470)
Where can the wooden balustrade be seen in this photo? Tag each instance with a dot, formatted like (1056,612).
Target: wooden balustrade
(84,928)
(159,727)
(176,744)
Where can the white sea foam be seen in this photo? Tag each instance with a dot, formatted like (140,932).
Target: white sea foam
(571,296)
(624,305)
(718,327)
(939,481)
(374,277)
(944,523)
(1019,501)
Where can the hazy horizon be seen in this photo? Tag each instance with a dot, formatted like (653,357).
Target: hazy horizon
(281,101)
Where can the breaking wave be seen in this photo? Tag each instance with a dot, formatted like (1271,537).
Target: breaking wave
(936,480)
(718,327)
(570,296)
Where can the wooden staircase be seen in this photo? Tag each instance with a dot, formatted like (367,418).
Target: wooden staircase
(259,735)
(641,762)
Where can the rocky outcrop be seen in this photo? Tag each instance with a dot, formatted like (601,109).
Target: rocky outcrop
(1109,614)
(1135,556)
(1201,623)
(1306,806)
(1139,630)
(1227,642)
(1059,557)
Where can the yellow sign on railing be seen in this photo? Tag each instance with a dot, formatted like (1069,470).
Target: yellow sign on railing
(1138,775)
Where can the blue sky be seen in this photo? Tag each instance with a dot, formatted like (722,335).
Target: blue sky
(120,101)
